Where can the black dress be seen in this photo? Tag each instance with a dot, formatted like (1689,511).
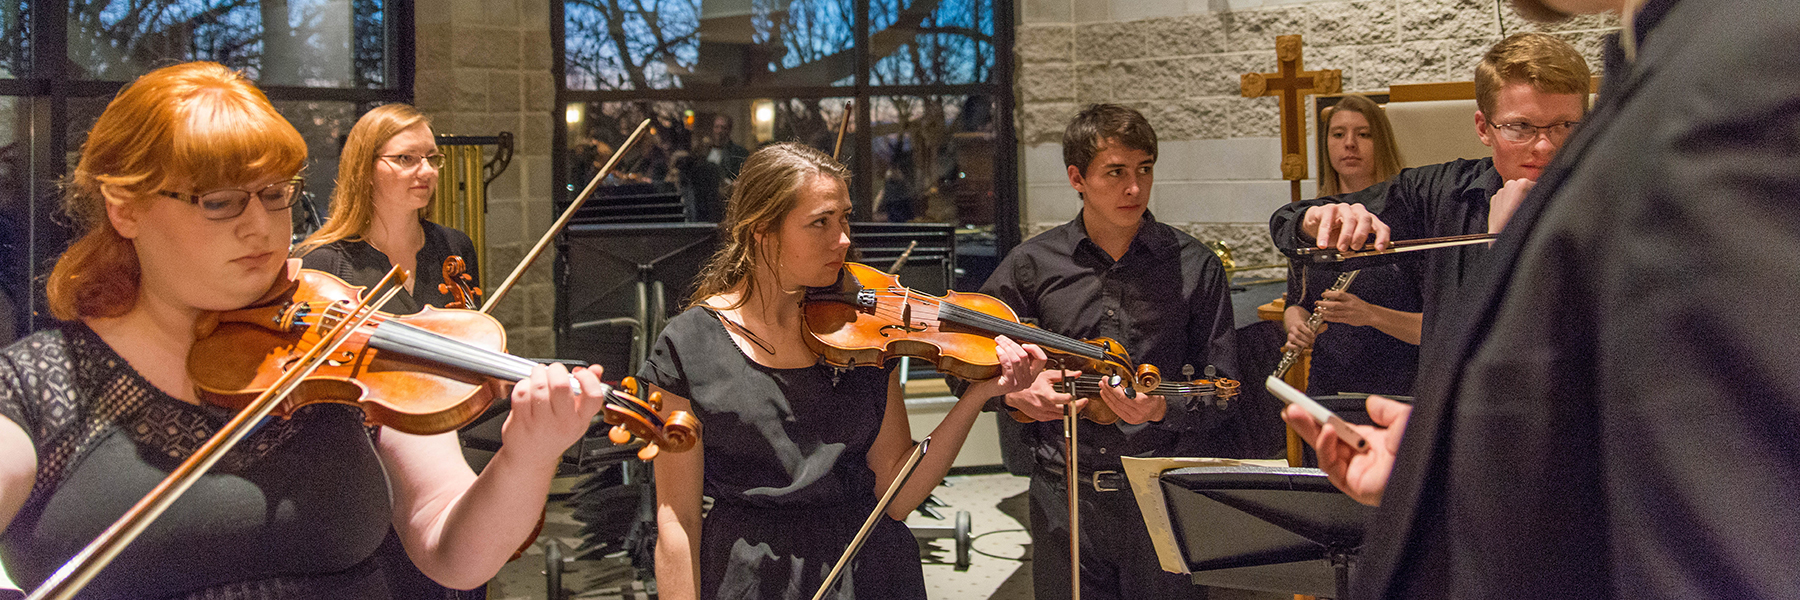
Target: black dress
(298,510)
(361,264)
(1355,358)
(787,469)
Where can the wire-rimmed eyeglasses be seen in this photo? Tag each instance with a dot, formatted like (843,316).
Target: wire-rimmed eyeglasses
(406,162)
(1519,133)
(220,205)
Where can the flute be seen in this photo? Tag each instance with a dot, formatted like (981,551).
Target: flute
(1313,322)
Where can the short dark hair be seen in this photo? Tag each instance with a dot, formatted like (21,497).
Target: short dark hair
(1101,122)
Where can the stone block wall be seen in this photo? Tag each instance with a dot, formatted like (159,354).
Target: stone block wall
(1178,61)
(483,68)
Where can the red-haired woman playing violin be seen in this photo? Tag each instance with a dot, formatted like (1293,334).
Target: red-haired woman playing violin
(184,192)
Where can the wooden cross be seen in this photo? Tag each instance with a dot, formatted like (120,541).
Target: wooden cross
(1292,85)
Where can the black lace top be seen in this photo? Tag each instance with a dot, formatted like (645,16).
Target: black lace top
(296,511)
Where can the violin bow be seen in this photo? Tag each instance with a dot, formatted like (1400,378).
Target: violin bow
(85,565)
(904,255)
(496,294)
(862,535)
(1369,258)
(1071,482)
(843,126)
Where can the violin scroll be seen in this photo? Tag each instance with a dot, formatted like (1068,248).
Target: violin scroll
(633,417)
(458,284)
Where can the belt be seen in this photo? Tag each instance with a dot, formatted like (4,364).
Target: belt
(1099,481)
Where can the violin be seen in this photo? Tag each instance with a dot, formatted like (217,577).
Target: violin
(427,373)
(867,317)
(458,284)
(311,340)
(1088,386)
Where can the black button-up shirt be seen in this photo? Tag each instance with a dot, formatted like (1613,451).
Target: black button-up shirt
(1166,300)
(1430,201)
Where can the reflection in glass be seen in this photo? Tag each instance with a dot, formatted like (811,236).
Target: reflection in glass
(918,42)
(310,43)
(670,44)
(15,39)
(15,216)
(690,153)
(323,125)
(934,157)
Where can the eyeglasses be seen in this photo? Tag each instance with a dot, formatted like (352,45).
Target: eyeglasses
(220,205)
(409,161)
(1519,133)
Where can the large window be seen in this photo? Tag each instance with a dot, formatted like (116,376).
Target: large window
(930,135)
(322,63)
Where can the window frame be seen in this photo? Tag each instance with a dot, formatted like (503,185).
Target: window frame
(862,193)
(48,91)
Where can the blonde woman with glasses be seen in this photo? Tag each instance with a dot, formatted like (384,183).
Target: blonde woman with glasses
(386,177)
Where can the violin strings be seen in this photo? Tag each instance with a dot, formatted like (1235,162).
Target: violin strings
(946,311)
(410,340)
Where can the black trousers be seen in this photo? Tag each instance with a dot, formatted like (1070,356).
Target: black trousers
(1117,560)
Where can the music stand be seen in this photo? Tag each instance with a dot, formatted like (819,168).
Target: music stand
(618,284)
(1247,525)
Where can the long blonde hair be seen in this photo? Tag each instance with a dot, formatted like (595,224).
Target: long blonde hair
(1381,136)
(200,123)
(767,189)
(353,201)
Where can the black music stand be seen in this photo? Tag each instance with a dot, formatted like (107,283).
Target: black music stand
(1274,529)
(618,284)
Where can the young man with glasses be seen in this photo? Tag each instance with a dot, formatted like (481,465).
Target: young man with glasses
(1531,90)
(1611,412)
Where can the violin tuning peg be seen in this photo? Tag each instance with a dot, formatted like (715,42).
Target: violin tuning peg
(631,385)
(1211,371)
(655,401)
(648,452)
(618,435)
(1187,371)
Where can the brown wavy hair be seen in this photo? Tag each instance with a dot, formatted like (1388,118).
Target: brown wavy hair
(353,200)
(767,189)
(1381,136)
(200,123)
(1550,65)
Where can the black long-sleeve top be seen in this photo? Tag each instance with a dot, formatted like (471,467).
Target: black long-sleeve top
(1430,201)
(1166,300)
(358,263)
(1358,358)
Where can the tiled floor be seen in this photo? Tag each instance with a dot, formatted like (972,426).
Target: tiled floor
(998,543)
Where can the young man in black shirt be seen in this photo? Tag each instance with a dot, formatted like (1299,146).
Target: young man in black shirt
(1116,272)
(1531,89)
(1608,417)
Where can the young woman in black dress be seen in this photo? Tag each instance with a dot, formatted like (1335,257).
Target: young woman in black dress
(183,194)
(1370,342)
(387,175)
(795,453)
